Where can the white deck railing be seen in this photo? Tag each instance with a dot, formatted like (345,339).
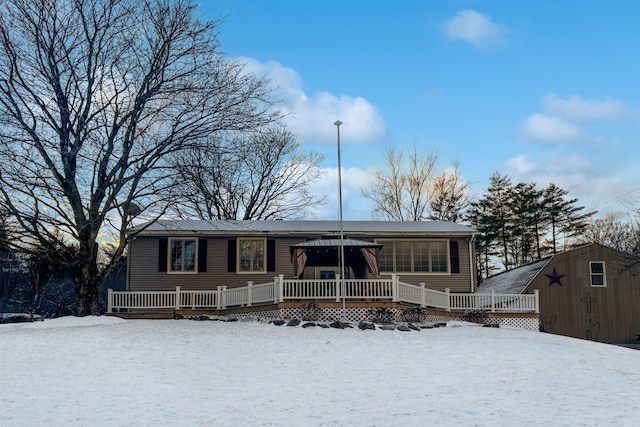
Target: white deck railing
(280,290)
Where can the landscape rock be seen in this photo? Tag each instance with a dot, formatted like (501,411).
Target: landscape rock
(366,326)
(309,325)
(293,322)
(387,327)
(403,328)
(278,322)
(339,325)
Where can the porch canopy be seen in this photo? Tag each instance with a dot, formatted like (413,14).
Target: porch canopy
(360,255)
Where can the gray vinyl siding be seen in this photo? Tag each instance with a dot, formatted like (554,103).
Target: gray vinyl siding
(143,271)
(144,274)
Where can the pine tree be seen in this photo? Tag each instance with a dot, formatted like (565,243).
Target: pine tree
(564,215)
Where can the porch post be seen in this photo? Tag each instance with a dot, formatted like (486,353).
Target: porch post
(219,298)
(224,297)
(281,287)
(493,301)
(536,292)
(423,295)
(448,297)
(338,287)
(109,302)
(249,293)
(394,288)
(177,297)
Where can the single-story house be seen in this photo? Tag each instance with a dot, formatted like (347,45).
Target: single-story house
(204,254)
(590,292)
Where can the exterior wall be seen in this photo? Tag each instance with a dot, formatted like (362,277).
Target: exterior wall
(143,273)
(608,314)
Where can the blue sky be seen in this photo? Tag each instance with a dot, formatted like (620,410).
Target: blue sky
(544,91)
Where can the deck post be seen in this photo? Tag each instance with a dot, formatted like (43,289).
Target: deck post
(448,297)
(281,288)
(536,292)
(224,297)
(177,297)
(219,298)
(423,295)
(338,287)
(249,293)
(394,288)
(493,301)
(109,301)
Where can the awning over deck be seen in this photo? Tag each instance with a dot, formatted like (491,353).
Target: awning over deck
(361,256)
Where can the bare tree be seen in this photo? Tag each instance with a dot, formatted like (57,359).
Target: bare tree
(261,175)
(94,95)
(403,192)
(450,196)
(614,231)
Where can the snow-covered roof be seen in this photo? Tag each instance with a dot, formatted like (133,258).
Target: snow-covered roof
(288,227)
(512,281)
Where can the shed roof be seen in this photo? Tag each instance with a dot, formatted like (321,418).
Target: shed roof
(512,281)
(300,227)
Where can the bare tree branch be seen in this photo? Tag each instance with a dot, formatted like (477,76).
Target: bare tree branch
(95,96)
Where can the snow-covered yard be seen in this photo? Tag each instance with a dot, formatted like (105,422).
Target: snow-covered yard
(107,371)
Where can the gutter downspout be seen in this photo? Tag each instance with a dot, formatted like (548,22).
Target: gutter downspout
(472,262)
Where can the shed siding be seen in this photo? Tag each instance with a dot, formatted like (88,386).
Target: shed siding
(608,314)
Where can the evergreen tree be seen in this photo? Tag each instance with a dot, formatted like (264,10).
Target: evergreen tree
(564,215)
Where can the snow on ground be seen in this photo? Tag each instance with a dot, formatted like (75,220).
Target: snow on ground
(108,371)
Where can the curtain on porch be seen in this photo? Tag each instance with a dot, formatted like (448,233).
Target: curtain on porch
(371,258)
(300,260)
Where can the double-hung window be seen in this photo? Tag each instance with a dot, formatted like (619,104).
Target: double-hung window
(251,255)
(414,256)
(182,255)
(598,273)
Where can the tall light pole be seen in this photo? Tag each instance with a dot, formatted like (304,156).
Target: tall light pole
(341,262)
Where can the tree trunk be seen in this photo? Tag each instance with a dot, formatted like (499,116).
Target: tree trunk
(87,276)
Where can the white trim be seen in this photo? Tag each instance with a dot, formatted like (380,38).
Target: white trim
(603,274)
(265,255)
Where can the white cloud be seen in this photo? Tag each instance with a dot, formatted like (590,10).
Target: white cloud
(574,108)
(595,188)
(312,117)
(355,207)
(473,27)
(552,129)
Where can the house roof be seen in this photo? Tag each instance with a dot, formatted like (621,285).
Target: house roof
(512,281)
(226,227)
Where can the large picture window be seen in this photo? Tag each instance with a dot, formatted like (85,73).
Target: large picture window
(251,255)
(414,256)
(182,255)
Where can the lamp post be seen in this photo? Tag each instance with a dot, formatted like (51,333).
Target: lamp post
(341,261)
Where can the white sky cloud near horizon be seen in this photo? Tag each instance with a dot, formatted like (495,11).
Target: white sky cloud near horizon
(534,97)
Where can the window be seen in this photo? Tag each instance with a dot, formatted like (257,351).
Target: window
(598,274)
(414,256)
(182,255)
(251,255)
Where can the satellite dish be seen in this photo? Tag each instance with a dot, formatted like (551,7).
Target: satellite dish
(134,210)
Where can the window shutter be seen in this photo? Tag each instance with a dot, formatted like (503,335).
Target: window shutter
(162,254)
(455,256)
(231,256)
(202,255)
(271,255)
